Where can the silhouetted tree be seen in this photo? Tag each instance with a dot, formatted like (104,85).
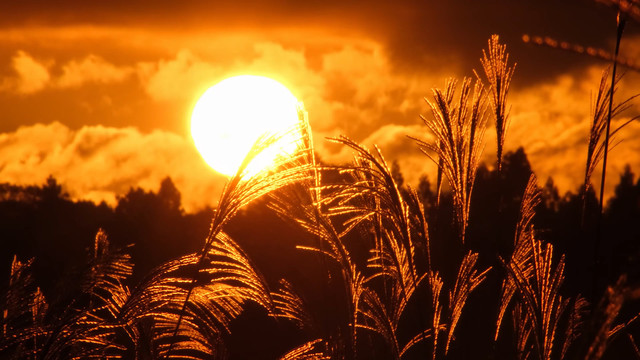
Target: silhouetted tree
(621,227)
(52,191)
(169,195)
(154,224)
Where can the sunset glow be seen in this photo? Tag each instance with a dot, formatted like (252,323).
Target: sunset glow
(100,95)
(235,113)
(320,180)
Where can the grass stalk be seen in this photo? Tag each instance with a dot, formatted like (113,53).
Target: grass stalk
(621,20)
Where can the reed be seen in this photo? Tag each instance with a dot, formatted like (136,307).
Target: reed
(458,127)
(498,72)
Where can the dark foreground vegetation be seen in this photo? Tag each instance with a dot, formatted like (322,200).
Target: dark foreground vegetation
(56,247)
(314,261)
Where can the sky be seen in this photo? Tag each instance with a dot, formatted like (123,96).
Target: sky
(99,93)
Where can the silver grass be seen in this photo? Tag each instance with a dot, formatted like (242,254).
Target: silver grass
(435,285)
(303,209)
(312,350)
(371,199)
(303,204)
(599,116)
(458,127)
(498,72)
(539,295)
(377,319)
(239,192)
(522,329)
(606,315)
(108,270)
(523,251)
(224,282)
(575,324)
(82,330)
(423,336)
(467,280)
(289,305)
(22,302)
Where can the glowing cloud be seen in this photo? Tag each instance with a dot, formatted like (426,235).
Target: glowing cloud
(91,69)
(32,76)
(99,163)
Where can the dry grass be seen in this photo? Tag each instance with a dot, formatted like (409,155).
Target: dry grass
(498,72)
(458,126)
(599,115)
(397,298)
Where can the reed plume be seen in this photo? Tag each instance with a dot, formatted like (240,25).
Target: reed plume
(605,319)
(305,203)
(312,350)
(84,329)
(599,116)
(467,280)
(459,129)
(239,192)
(372,199)
(538,293)
(23,311)
(289,305)
(224,282)
(498,73)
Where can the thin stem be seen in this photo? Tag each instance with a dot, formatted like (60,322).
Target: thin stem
(192,284)
(620,27)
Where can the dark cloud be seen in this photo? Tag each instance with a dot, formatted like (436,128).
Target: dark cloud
(424,34)
(439,33)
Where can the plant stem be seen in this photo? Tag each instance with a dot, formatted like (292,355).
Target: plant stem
(620,27)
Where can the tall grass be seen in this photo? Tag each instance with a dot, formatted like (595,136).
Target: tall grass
(458,126)
(396,301)
(495,63)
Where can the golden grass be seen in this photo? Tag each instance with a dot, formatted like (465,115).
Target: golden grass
(398,297)
(458,126)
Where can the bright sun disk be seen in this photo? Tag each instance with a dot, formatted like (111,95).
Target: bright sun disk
(231,115)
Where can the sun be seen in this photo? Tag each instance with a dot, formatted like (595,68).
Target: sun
(231,115)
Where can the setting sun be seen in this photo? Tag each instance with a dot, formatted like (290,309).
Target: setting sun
(164,195)
(233,114)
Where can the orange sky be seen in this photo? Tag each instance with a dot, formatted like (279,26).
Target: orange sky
(98,94)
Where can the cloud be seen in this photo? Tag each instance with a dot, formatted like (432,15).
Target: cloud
(99,163)
(551,121)
(178,78)
(416,35)
(91,69)
(32,75)
(351,89)
(368,86)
